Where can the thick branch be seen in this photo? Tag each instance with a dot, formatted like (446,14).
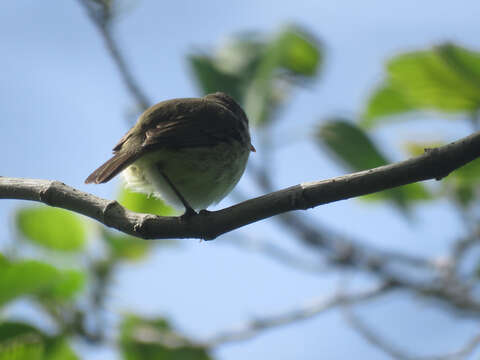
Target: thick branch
(434,164)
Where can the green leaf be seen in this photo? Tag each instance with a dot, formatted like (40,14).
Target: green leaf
(463,183)
(68,285)
(256,71)
(299,52)
(386,101)
(53,228)
(212,79)
(357,152)
(22,350)
(36,278)
(142,203)
(59,349)
(351,145)
(294,52)
(445,78)
(153,339)
(468,174)
(24,341)
(20,341)
(126,247)
(12,329)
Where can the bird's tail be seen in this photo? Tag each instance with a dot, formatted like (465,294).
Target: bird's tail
(111,168)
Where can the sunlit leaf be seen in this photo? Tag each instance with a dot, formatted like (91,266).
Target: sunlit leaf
(299,52)
(464,183)
(142,203)
(20,341)
(24,341)
(69,283)
(386,101)
(126,247)
(292,51)
(36,278)
(445,78)
(147,339)
(259,71)
(22,350)
(211,79)
(53,228)
(59,349)
(356,151)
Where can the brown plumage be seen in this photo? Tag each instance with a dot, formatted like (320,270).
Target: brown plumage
(176,124)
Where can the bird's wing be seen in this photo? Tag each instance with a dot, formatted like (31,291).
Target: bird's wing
(192,123)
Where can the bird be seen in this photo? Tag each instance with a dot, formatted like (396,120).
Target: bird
(189,152)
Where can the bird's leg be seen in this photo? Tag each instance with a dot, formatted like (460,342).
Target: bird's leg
(188,209)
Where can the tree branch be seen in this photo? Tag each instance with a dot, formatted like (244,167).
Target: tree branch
(434,164)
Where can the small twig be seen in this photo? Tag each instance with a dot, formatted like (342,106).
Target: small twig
(313,308)
(374,338)
(103,27)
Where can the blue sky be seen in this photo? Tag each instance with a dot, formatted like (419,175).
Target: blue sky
(63,107)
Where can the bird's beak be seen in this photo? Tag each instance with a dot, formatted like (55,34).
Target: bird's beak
(252,148)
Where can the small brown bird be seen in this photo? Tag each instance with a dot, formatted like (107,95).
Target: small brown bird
(188,151)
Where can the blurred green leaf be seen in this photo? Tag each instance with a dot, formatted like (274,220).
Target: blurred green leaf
(22,350)
(142,203)
(147,339)
(211,79)
(126,247)
(445,78)
(386,101)
(59,349)
(299,52)
(21,340)
(464,183)
(352,146)
(53,228)
(293,51)
(69,283)
(37,278)
(257,72)
(469,174)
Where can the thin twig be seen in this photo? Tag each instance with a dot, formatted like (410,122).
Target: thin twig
(103,26)
(309,310)
(374,338)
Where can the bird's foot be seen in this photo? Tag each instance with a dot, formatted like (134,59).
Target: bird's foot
(189,213)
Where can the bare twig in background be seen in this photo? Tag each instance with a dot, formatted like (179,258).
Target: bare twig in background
(100,15)
(277,253)
(309,310)
(374,338)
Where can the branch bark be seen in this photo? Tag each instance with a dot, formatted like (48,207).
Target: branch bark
(434,164)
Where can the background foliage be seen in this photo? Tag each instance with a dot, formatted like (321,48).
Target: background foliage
(65,265)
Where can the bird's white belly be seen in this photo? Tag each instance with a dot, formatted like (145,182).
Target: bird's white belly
(203,175)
